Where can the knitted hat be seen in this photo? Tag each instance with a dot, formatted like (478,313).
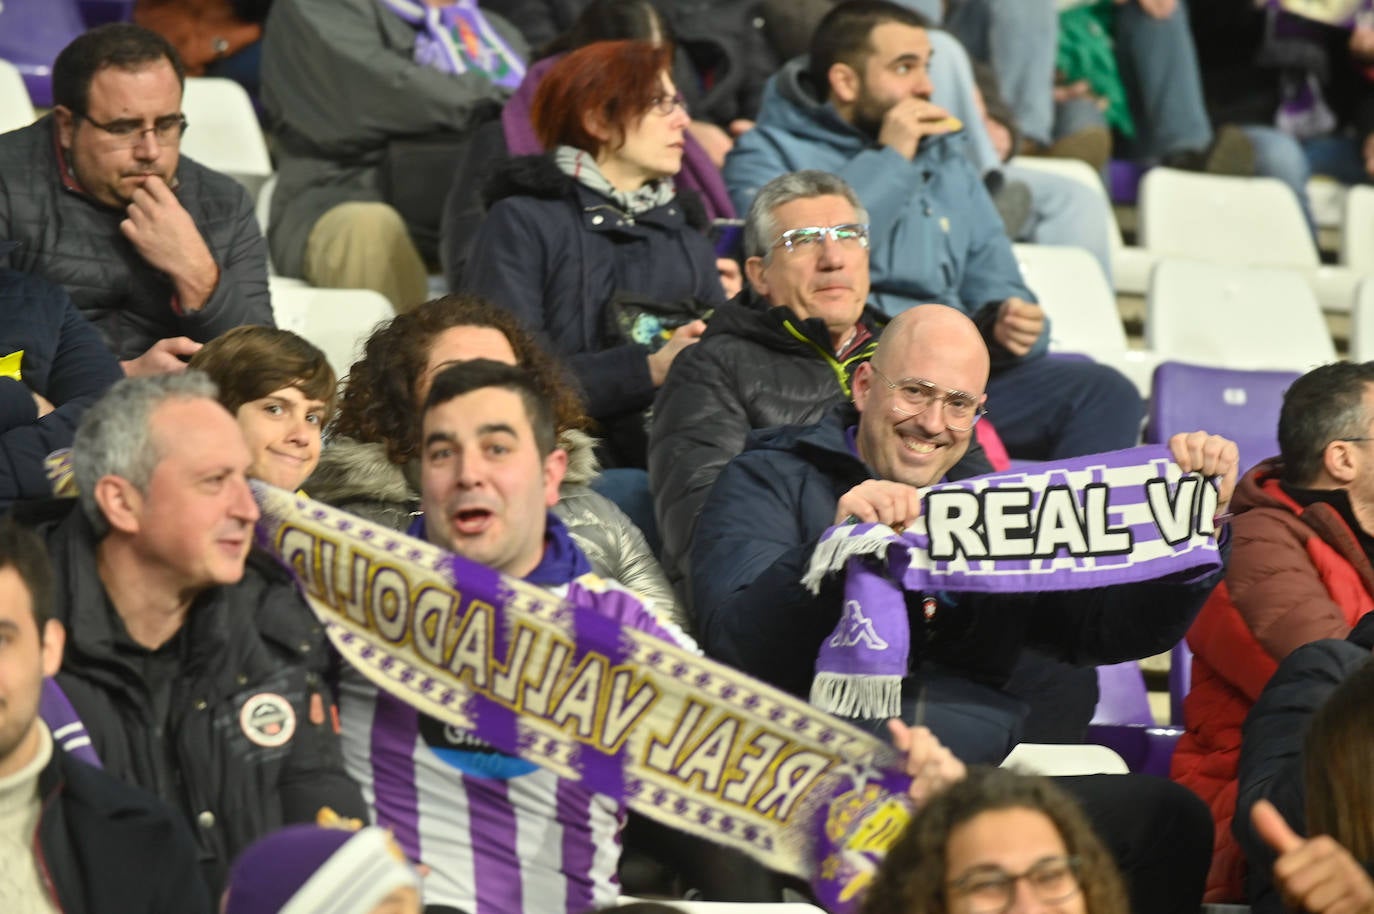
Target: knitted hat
(306,869)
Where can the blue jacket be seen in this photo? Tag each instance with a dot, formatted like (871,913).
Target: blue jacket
(64,360)
(771,504)
(936,236)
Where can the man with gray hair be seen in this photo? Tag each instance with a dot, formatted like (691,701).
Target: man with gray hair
(190,666)
(780,353)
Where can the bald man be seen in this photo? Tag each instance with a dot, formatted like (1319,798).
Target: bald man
(914,408)
(910,425)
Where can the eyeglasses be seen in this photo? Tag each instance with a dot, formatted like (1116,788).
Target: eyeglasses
(667,104)
(168,129)
(991,889)
(962,410)
(810,238)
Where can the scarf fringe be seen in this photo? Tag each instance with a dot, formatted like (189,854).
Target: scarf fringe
(864,697)
(831,554)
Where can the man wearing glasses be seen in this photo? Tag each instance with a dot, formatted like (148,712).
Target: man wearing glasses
(781,353)
(860,107)
(160,253)
(915,406)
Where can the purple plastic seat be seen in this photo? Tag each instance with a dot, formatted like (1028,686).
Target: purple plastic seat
(31,35)
(1242,405)
(1123,721)
(1180,680)
(99,12)
(1123,181)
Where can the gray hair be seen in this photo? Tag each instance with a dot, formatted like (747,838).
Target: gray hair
(115,435)
(761,230)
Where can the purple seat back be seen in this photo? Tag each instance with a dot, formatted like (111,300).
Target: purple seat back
(31,35)
(1180,679)
(1123,181)
(1122,698)
(1242,405)
(99,12)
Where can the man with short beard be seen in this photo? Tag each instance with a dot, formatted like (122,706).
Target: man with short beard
(860,108)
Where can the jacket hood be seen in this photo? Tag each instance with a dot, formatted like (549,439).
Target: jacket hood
(539,176)
(352,470)
(792,103)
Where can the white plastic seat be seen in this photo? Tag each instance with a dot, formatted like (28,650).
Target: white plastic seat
(338,321)
(16,108)
(1362,323)
(1235,317)
(1242,222)
(727,907)
(1082,308)
(224,133)
(1055,760)
(1357,230)
(1130,265)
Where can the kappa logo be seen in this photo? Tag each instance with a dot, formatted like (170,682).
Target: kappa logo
(268,720)
(856,629)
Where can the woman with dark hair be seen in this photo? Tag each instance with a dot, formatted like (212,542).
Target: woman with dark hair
(280,388)
(592,246)
(370,467)
(994,842)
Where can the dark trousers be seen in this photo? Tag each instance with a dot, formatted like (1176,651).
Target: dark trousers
(1051,408)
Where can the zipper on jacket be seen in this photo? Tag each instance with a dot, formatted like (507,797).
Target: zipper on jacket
(841,369)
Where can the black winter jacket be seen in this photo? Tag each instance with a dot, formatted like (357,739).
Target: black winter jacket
(71,239)
(110,848)
(249,743)
(555,254)
(761,523)
(1271,749)
(756,367)
(63,359)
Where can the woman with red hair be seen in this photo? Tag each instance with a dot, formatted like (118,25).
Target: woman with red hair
(591,245)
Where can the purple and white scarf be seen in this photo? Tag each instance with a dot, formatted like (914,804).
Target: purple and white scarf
(1115,518)
(458,39)
(676,736)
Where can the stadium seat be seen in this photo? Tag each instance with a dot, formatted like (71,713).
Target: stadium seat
(726,907)
(1362,321)
(224,133)
(1235,317)
(1242,405)
(1180,679)
(31,35)
(338,321)
(1357,230)
(1130,265)
(1055,760)
(16,110)
(99,12)
(1082,309)
(1123,721)
(1240,222)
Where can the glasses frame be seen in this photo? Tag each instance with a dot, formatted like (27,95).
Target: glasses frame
(136,137)
(979,410)
(1072,863)
(828,233)
(667,104)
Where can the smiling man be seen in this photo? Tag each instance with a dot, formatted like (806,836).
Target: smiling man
(780,353)
(157,251)
(187,664)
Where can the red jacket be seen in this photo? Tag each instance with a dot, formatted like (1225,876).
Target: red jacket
(1296,574)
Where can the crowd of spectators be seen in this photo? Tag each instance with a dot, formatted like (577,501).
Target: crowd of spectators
(718,276)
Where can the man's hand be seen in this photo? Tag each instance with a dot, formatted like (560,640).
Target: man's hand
(1019,324)
(1210,455)
(682,337)
(911,119)
(1313,874)
(43,403)
(932,767)
(715,141)
(165,235)
(1159,9)
(731,278)
(880,501)
(163,357)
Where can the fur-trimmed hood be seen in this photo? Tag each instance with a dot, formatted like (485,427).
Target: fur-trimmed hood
(539,176)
